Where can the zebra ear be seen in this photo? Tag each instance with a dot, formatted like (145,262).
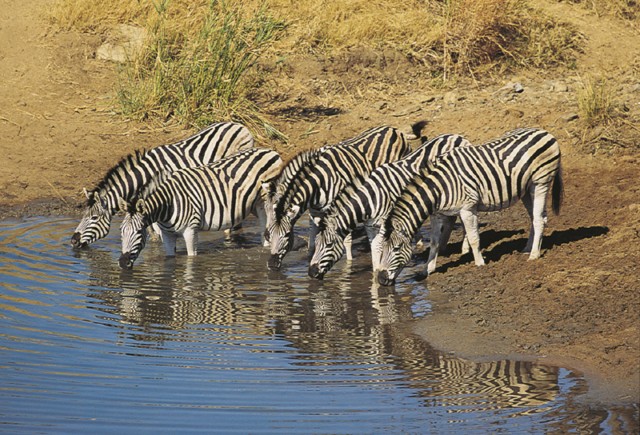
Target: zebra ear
(267,190)
(87,193)
(293,211)
(141,206)
(122,205)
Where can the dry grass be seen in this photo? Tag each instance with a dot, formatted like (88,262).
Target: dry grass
(595,101)
(625,9)
(446,38)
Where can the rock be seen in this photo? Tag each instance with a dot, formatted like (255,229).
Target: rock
(518,88)
(558,87)
(128,41)
(570,117)
(450,98)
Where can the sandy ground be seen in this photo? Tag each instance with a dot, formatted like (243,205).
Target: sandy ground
(577,306)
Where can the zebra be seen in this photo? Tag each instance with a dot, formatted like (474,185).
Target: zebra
(324,174)
(520,165)
(210,198)
(273,189)
(372,201)
(130,174)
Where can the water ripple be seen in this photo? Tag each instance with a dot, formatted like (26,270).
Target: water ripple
(217,343)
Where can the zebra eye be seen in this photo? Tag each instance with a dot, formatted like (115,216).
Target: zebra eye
(94,218)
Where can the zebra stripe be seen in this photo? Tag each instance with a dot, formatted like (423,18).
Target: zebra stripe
(520,165)
(206,198)
(127,177)
(325,173)
(372,201)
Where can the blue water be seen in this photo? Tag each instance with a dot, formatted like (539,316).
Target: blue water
(218,344)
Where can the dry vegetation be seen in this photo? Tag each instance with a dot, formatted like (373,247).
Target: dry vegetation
(199,57)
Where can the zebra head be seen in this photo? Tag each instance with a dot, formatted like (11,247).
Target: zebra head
(281,236)
(95,222)
(392,246)
(328,249)
(133,232)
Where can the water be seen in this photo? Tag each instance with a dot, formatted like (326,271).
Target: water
(216,343)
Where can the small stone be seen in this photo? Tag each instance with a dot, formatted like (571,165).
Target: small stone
(518,88)
(450,98)
(570,117)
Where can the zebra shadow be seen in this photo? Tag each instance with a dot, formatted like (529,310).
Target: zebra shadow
(556,238)
(487,238)
(497,244)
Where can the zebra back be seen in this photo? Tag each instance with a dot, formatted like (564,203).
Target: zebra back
(375,197)
(493,175)
(129,175)
(215,196)
(351,161)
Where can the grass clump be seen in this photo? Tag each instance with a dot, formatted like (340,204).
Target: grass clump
(197,73)
(624,9)
(595,101)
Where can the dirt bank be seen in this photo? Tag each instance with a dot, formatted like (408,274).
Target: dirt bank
(579,304)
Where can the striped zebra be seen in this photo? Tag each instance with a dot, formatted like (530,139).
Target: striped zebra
(128,177)
(327,171)
(372,201)
(275,188)
(520,165)
(205,198)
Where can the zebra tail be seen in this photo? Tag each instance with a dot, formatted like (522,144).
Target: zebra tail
(557,192)
(417,130)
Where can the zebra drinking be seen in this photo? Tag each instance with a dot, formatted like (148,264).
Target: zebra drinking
(372,201)
(206,198)
(129,176)
(326,172)
(520,165)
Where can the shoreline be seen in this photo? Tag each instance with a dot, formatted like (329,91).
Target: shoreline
(452,327)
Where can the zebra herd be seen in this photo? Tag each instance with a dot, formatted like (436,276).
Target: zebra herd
(214,179)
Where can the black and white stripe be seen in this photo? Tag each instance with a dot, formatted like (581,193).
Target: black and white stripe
(372,201)
(326,172)
(128,176)
(207,198)
(523,164)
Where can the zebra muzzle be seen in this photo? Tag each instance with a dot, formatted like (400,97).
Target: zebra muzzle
(384,279)
(126,260)
(75,241)
(314,272)
(274,262)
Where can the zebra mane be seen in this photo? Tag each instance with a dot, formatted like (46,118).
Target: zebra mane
(291,171)
(340,202)
(123,166)
(405,196)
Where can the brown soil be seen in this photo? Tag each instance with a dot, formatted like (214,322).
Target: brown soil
(578,305)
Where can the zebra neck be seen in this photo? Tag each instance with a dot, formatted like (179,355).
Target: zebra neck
(125,179)
(159,205)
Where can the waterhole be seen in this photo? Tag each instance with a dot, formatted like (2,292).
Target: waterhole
(217,343)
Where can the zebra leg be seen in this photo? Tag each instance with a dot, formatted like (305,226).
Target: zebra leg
(191,240)
(156,232)
(169,242)
(527,201)
(465,242)
(262,223)
(313,232)
(434,241)
(470,222)
(348,243)
(447,227)
(539,218)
